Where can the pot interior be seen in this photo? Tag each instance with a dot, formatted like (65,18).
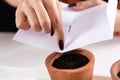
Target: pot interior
(70,60)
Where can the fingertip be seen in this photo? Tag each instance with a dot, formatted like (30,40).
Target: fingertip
(23,25)
(60,38)
(52,31)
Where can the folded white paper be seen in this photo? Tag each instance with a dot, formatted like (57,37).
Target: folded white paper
(81,28)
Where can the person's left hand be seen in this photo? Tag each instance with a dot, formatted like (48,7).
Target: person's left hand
(85,4)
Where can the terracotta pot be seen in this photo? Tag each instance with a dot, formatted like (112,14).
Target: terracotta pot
(115,69)
(81,73)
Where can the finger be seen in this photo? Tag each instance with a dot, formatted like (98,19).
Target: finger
(59,37)
(42,15)
(59,9)
(82,5)
(21,20)
(54,10)
(32,17)
(60,33)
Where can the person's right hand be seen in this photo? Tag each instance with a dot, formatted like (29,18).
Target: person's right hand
(41,15)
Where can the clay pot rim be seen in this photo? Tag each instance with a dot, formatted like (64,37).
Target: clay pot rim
(115,68)
(90,56)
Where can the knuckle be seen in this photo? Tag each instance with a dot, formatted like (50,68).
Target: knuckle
(56,24)
(55,20)
(19,25)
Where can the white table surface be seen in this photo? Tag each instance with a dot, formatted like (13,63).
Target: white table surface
(18,55)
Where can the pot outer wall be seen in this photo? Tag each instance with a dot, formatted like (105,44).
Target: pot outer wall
(82,73)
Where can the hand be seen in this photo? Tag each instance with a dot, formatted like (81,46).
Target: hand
(82,5)
(85,4)
(41,15)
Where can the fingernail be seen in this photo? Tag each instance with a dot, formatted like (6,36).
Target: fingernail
(52,32)
(72,5)
(61,44)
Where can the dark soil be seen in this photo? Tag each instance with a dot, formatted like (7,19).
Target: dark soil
(70,60)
